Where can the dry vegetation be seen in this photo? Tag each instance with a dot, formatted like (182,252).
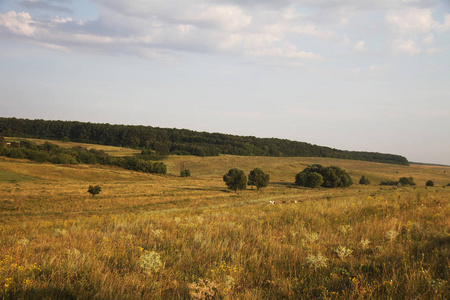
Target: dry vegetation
(165,237)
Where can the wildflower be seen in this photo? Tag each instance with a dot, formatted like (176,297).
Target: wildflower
(343,252)
(364,244)
(150,262)
(24,242)
(316,261)
(157,232)
(311,237)
(391,235)
(60,232)
(344,229)
(202,289)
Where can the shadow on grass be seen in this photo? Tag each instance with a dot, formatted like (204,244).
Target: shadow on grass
(44,293)
(198,189)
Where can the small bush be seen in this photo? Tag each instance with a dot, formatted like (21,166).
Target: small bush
(407,181)
(185,173)
(364,180)
(94,190)
(389,182)
(430,183)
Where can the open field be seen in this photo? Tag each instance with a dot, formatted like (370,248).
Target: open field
(151,236)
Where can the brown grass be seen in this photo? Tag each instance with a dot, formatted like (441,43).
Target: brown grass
(151,236)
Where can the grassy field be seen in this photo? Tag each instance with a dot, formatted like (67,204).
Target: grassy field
(151,236)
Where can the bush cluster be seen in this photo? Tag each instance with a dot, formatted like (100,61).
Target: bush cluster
(55,154)
(236,179)
(185,173)
(403,181)
(317,175)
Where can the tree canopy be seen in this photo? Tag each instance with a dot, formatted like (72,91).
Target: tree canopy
(333,176)
(235,179)
(258,178)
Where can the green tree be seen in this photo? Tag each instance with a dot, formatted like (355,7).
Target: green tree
(235,179)
(258,178)
(94,190)
(430,183)
(364,180)
(313,180)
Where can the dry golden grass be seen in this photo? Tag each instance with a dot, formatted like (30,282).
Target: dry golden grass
(284,169)
(151,236)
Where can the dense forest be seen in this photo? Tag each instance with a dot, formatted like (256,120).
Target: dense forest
(165,141)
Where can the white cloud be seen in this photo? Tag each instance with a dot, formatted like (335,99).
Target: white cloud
(280,29)
(18,23)
(414,29)
(57,19)
(412,20)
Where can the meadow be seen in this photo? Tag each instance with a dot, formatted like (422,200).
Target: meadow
(148,236)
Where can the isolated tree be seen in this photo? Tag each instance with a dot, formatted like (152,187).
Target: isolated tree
(430,183)
(185,173)
(235,179)
(364,180)
(258,178)
(94,190)
(313,180)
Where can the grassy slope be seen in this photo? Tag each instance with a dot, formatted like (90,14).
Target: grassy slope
(284,169)
(56,241)
(111,150)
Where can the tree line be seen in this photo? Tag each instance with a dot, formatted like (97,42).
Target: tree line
(165,141)
(55,154)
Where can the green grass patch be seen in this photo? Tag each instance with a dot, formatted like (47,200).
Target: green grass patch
(6,176)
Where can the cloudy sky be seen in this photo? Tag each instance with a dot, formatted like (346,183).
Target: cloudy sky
(370,75)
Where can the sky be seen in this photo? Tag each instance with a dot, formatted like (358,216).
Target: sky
(365,75)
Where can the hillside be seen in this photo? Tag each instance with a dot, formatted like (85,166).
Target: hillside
(179,141)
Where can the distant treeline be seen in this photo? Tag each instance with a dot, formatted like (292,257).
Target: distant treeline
(166,141)
(55,154)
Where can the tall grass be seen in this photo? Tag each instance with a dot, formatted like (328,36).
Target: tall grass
(165,237)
